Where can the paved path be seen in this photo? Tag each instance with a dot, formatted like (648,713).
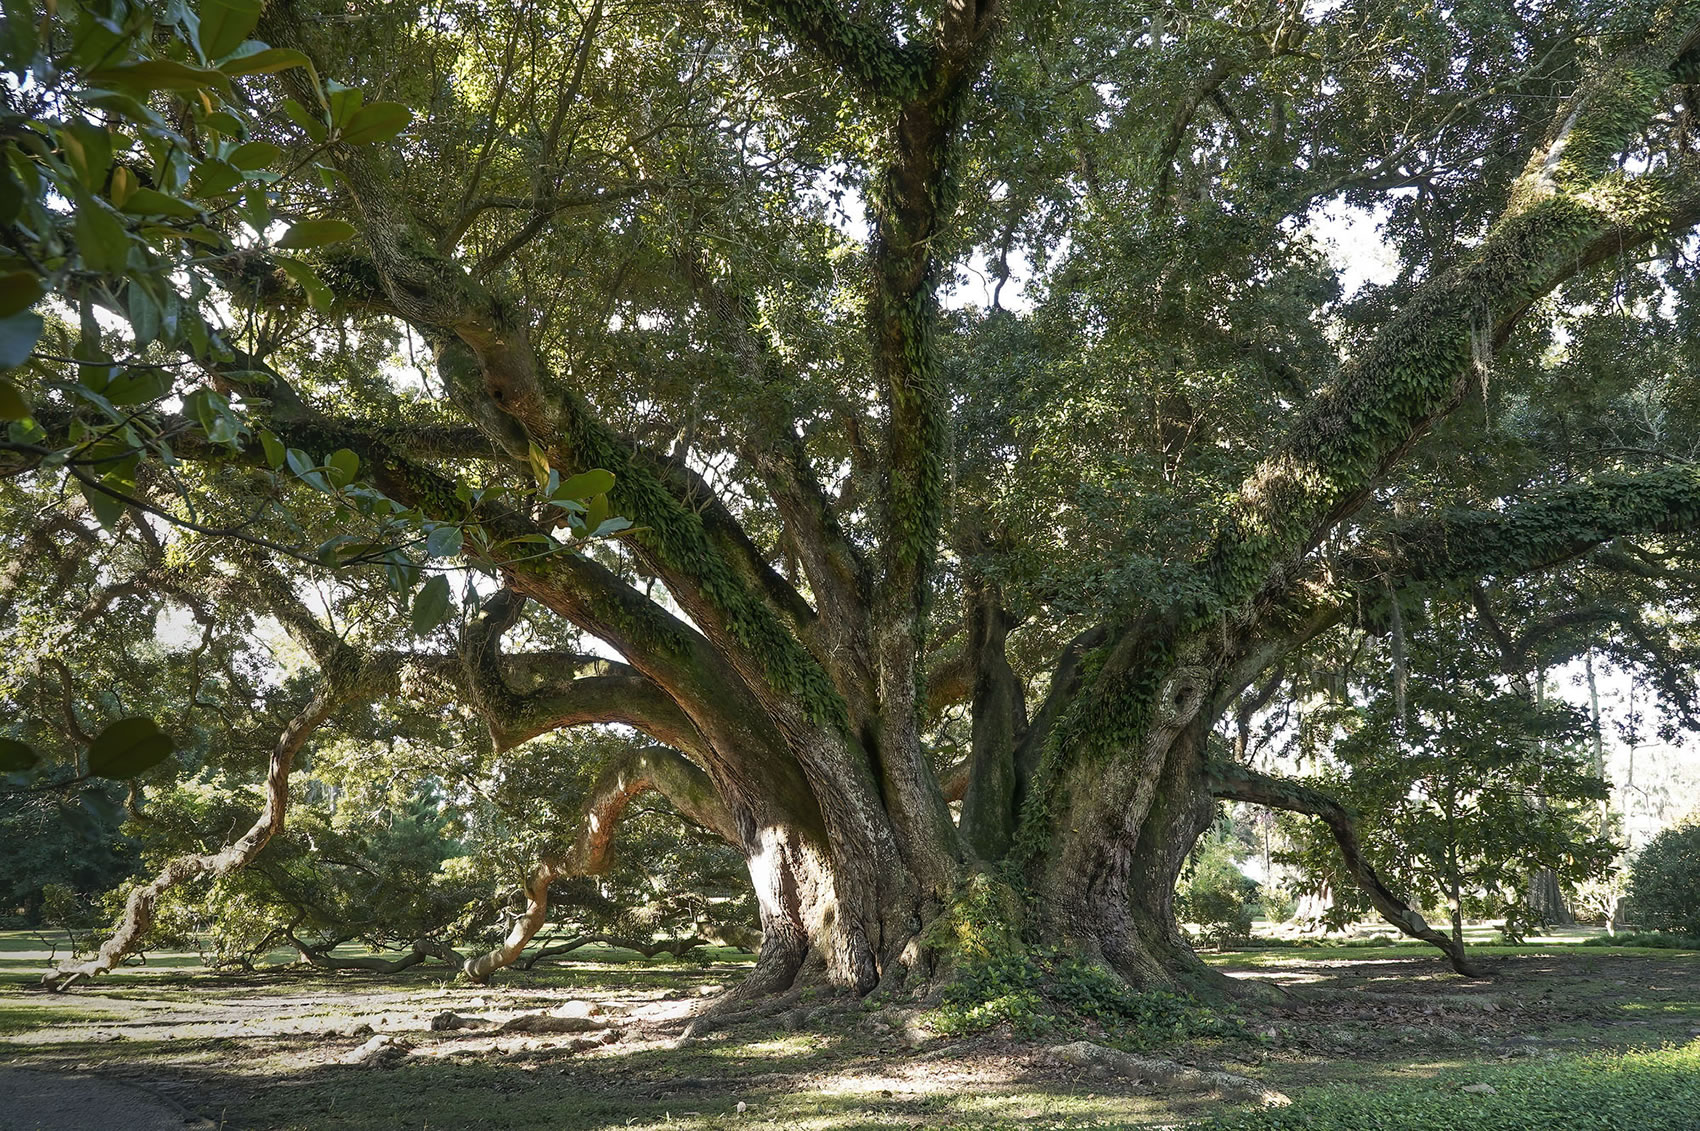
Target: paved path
(75,1101)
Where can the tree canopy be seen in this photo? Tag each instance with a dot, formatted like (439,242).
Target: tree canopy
(916,430)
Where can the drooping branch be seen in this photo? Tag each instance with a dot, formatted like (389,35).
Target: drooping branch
(1548,529)
(139,906)
(1240,783)
(634,771)
(320,957)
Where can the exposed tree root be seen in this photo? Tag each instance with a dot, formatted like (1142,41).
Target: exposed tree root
(1244,784)
(735,1009)
(139,907)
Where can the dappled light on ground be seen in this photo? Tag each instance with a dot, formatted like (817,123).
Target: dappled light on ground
(286,1050)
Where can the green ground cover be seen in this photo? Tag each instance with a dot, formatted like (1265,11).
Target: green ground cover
(1364,1036)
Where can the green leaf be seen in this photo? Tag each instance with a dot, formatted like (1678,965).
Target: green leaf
(444,541)
(318,294)
(342,465)
(431,605)
(138,387)
(596,514)
(101,237)
(159,74)
(19,290)
(265,62)
(214,177)
(345,103)
(539,464)
(129,747)
(151,202)
(225,123)
(585,485)
(19,38)
(316,233)
(16,756)
(225,24)
(18,335)
(305,118)
(13,406)
(254,155)
(107,509)
(380,121)
(274,450)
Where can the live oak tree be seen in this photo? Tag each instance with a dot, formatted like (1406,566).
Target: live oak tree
(689,271)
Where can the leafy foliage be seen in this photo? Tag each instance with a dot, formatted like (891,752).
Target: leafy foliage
(1214,894)
(1038,992)
(1664,881)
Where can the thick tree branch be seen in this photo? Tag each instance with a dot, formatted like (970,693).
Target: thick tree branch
(634,771)
(139,906)
(1572,209)
(1241,783)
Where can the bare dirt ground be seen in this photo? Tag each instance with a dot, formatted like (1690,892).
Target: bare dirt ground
(287,1050)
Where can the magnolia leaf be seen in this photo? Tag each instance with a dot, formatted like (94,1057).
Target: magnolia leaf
(342,465)
(585,485)
(18,335)
(101,237)
(316,233)
(138,386)
(19,290)
(124,183)
(444,541)
(304,118)
(539,464)
(16,756)
(596,514)
(380,121)
(107,508)
(213,178)
(13,406)
(159,74)
(274,450)
(431,604)
(318,294)
(151,202)
(129,747)
(225,24)
(264,62)
(254,155)
(225,123)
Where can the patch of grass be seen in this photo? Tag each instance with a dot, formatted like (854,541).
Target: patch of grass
(25,1017)
(1648,1091)
(1656,940)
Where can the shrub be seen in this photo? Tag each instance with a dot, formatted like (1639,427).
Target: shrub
(1042,992)
(1216,896)
(1664,881)
(1655,939)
